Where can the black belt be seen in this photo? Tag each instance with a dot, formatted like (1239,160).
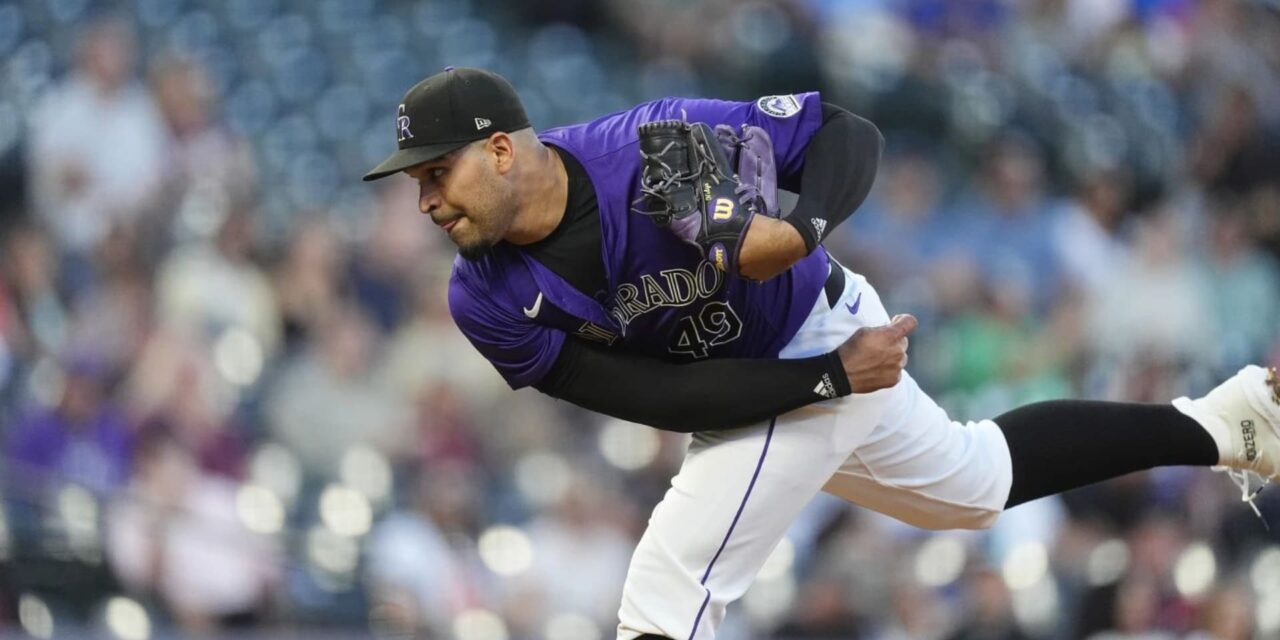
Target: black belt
(834,285)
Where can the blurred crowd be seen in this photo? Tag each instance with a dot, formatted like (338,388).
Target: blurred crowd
(232,398)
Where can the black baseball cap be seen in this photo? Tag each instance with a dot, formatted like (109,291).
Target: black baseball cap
(448,110)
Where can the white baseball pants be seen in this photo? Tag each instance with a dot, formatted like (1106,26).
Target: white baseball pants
(737,492)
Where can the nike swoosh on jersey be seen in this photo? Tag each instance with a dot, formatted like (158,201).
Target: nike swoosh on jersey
(532,312)
(853,308)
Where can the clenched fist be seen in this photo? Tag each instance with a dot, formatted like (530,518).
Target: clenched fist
(874,357)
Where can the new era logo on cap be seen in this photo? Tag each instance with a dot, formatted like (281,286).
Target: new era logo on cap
(482,123)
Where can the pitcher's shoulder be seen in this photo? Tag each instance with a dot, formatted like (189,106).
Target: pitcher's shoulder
(496,278)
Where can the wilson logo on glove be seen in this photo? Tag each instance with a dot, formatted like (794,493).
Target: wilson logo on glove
(724,210)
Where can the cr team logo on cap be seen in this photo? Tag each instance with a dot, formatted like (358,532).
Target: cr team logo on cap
(402,125)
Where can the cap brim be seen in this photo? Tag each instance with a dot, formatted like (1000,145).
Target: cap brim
(404,158)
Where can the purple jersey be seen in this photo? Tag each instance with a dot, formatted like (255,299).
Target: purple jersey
(665,300)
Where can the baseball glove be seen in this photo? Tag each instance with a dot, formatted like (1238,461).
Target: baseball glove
(689,184)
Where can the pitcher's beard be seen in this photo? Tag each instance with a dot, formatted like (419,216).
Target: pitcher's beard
(474,251)
(470,239)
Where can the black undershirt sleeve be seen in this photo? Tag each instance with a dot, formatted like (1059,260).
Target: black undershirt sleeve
(840,166)
(702,396)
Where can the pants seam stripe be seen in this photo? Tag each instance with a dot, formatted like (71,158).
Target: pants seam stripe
(733,525)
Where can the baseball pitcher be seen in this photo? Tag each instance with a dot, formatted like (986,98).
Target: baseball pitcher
(635,265)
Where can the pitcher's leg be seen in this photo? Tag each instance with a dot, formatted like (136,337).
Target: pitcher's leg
(924,469)
(733,500)
(1059,445)
(927,470)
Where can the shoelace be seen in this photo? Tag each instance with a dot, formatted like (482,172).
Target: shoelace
(1242,479)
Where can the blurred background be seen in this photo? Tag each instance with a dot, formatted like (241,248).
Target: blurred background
(233,404)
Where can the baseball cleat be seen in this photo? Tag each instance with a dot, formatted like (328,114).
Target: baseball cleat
(1245,412)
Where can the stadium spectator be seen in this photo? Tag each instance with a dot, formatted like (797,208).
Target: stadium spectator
(580,530)
(1245,294)
(202,158)
(1087,232)
(174,388)
(1007,219)
(97,142)
(393,255)
(328,399)
(421,562)
(31,273)
(1149,313)
(177,537)
(83,438)
(206,289)
(427,350)
(114,317)
(900,234)
(309,281)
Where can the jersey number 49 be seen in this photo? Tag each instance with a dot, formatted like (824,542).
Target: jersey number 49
(714,325)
